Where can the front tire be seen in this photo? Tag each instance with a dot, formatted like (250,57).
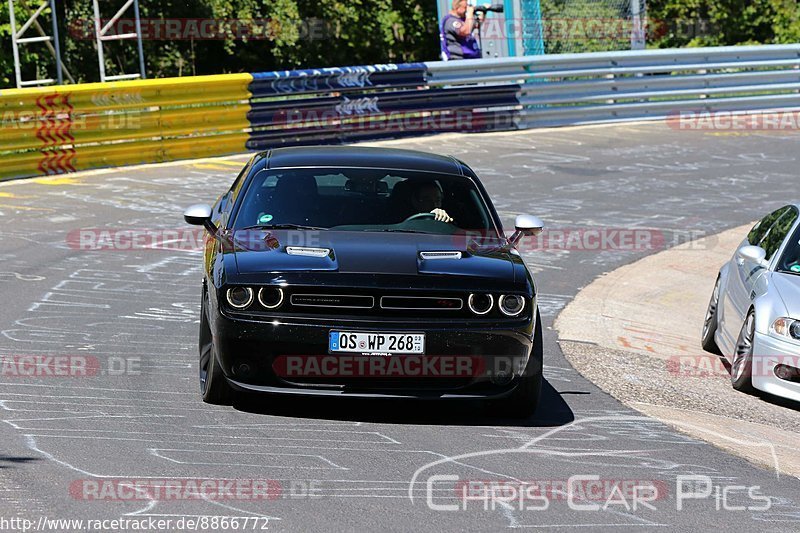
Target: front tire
(711,322)
(742,364)
(522,403)
(214,389)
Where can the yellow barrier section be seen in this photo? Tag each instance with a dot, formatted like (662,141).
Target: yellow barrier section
(16,165)
(60,129)
(132,153)
(133,94)
(127,125)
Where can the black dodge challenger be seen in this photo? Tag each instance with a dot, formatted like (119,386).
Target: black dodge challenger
(353,271)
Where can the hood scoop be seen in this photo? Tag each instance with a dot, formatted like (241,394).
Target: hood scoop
(440,255)
(308,252)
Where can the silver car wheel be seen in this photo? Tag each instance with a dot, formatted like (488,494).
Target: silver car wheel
(711,312)
(744,348)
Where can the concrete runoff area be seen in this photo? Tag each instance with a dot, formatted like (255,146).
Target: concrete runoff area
(635,332)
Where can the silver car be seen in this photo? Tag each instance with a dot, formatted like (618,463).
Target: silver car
(753,318)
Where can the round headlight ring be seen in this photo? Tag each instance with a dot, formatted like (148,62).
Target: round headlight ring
(233,296)
(517,309)
(476,310)
(264,302)
(794,330)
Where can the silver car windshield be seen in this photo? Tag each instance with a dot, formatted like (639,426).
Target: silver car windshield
(790,260)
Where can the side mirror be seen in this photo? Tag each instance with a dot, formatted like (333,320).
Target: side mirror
(525,226)
(200,215)
(753,254)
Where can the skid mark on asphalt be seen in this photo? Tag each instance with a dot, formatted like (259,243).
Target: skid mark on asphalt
(642,338)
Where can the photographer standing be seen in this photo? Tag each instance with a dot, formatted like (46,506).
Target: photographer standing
(455,33)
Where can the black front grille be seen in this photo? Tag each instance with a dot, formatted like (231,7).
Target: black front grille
(398,303)
(422,303)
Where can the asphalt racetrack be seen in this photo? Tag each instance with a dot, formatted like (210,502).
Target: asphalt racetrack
(73,446)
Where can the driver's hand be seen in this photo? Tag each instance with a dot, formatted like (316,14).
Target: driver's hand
(441,215)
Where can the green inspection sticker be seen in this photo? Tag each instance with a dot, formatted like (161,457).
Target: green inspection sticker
(795,268)
(263,219)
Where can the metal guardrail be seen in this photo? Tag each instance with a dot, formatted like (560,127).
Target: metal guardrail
(62,129)
(570,89)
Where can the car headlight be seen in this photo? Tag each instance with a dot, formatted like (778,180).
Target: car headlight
(480,304)
(511,304)
(270,297)
(239,297)
(787,327)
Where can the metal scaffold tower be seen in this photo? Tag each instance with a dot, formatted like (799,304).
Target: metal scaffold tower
(102,35)
(18,39)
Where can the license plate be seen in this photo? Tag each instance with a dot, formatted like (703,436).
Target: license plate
(392,343)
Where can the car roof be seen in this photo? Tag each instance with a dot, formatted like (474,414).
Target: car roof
(363,157)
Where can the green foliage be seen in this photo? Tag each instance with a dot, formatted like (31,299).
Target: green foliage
(722,22)
(584,25)
(672,23)
(288,34)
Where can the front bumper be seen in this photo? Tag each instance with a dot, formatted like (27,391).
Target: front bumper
(253,352)
(770,352)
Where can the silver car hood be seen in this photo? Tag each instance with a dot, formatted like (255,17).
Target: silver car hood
(788,287)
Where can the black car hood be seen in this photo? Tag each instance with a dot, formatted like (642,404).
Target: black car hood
(370,253)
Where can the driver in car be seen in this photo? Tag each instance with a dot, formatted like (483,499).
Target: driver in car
(427,198)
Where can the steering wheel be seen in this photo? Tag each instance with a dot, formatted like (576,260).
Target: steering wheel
(419,216)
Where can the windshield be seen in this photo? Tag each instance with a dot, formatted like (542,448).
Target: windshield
(790,260)
(357,199)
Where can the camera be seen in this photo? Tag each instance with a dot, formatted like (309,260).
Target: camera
(494,8)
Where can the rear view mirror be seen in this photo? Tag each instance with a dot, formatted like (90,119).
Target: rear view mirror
(200,215)
(753,254)
(525,226)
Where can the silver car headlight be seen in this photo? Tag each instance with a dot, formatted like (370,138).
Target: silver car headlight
(787,327)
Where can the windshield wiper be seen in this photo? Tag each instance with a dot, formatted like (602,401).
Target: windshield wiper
(281,226)
(396,230)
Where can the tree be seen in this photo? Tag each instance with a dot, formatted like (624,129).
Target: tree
(722,22)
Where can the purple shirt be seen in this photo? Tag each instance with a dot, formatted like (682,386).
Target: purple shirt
(454,46)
